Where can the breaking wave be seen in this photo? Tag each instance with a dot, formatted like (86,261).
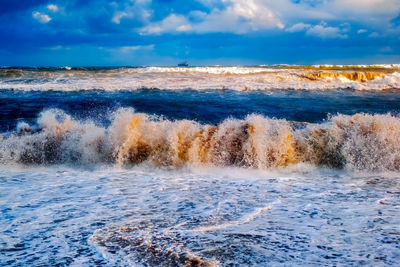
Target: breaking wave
(325,77)
(358,142)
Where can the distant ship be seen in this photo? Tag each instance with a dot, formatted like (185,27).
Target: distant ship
(183,64)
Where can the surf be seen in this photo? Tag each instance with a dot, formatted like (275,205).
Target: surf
(353,142)
(238,78)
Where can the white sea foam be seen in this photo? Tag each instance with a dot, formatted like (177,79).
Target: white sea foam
(378,77)
(358,142)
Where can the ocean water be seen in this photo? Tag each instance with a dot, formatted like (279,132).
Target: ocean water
(206,166)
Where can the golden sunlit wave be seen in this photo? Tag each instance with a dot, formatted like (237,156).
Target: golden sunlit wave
(359,142)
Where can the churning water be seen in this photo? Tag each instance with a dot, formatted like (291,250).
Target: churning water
(99,172)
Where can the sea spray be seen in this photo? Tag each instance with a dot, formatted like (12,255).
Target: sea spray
(357,142)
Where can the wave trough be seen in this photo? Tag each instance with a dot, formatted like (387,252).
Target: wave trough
(357,142)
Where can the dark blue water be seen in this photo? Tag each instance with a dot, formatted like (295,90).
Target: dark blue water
(202,106)
(60,215)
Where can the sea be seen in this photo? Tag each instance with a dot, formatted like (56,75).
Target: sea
(279,165)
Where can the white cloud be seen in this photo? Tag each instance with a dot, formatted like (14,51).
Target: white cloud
(57,48)
(42,18)
(376,12)
(53,8)
(363,8)
(237,16)
(132,10)
(243,16)
(321,30)
(361,31)
(184,28)
(172,23)
(325,32)
(299,27)
(118,16)
(127,49)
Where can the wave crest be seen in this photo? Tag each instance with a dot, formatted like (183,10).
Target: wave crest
(204,78)
(358,142)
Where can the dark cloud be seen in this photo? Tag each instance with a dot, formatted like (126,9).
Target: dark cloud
(8,7)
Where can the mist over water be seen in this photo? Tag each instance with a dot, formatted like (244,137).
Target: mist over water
(95,172)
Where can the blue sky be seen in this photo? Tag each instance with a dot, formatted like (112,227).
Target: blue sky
(203,32)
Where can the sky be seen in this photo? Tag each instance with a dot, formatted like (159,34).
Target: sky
(202,32)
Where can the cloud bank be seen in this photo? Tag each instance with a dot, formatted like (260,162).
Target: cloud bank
(220,29)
